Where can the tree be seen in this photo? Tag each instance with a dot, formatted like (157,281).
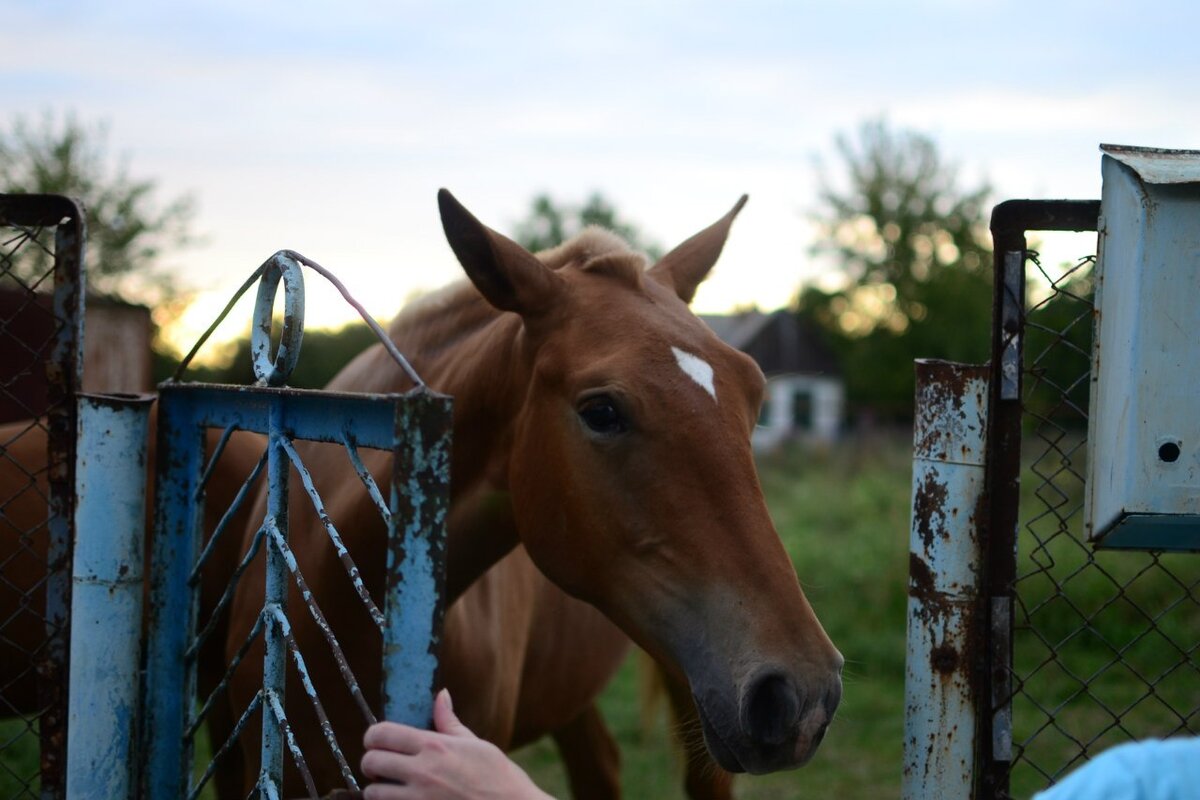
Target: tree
(550,224)
(129,228)
(913,250)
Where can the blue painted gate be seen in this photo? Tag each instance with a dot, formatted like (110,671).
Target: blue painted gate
(414,428)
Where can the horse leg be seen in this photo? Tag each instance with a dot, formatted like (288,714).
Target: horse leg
(590,756)
(703,779)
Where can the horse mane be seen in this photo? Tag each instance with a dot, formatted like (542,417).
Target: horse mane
(443,317)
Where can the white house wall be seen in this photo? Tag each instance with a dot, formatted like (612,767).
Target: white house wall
(827,403)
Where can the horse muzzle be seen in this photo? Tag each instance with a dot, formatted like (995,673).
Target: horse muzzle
(775,725)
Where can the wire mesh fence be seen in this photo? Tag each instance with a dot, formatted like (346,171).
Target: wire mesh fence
(1105,644)
(40,328)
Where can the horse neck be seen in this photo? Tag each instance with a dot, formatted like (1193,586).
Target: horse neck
(484,372)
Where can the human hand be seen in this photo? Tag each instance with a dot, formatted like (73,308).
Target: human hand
(447,763)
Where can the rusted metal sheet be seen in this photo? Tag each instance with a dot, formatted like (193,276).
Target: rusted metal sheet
(106,616)
(1157,165)
(942,681)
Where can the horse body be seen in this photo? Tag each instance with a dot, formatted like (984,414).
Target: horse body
(601,434)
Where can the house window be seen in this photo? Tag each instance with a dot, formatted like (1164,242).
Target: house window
(764,413)
(802,410)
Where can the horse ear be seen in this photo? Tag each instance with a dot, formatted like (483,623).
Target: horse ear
(687,265)
(506,274)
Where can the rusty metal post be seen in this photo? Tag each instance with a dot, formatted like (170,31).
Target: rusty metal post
(942,676)
(106,612)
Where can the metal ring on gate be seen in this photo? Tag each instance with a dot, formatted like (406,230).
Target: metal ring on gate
(283,264)
(268,371)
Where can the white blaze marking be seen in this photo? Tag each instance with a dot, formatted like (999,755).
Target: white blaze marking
(697,369)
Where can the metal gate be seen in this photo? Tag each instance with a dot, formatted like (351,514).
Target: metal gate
(198,427)
(1031,651)
(41,321)
(1088,647)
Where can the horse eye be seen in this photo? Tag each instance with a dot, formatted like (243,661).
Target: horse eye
(602,416)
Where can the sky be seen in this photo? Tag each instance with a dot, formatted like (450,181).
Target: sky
(328,128)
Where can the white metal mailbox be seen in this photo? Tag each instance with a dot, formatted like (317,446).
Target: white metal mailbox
(1143,487)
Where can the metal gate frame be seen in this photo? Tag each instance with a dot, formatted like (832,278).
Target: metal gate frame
(63,370)
(1084,646)
(413,427)
(968,598)
(1011,220)
(120,750)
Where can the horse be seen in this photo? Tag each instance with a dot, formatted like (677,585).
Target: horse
(601,460)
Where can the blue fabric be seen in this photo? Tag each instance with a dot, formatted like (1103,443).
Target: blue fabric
(1150,770)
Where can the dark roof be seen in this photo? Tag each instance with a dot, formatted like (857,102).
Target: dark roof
(777,340)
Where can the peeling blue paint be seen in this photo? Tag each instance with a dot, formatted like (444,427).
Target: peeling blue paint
(106,610)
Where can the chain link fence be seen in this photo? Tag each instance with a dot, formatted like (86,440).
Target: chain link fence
(41,240)
(1105,643)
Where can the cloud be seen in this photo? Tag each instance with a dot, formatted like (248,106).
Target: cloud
(329,128)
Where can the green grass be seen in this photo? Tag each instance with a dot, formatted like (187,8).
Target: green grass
(19,765)
(1104,641)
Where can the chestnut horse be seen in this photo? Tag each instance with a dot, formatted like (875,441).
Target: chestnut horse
(601,456)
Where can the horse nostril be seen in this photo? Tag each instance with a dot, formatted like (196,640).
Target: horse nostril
(771,709)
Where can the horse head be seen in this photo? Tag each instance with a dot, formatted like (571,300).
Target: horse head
(633,485)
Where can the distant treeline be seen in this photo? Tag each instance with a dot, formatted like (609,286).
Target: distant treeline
(322,354)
